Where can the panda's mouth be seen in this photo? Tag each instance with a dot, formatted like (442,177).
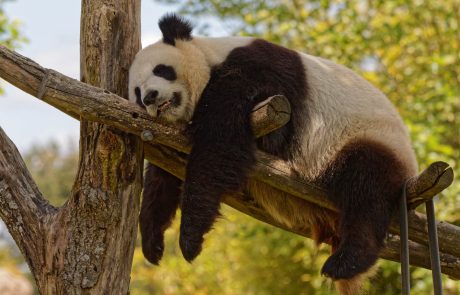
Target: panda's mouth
(164,105)
(174,101)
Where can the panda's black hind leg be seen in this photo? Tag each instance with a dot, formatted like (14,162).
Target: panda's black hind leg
(365,181)
(159,204)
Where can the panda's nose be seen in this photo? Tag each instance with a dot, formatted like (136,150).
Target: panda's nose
(150,98)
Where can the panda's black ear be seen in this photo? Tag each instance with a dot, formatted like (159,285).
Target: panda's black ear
(175,27)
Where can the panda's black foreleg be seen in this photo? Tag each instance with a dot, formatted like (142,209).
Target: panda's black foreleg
(365,182)
(159,204)
(221,156)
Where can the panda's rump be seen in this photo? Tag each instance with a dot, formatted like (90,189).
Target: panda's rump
(368,170)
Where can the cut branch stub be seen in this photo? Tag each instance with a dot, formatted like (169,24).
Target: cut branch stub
(433,180)
(270,115)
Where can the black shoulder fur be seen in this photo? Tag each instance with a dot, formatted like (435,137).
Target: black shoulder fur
(223,149)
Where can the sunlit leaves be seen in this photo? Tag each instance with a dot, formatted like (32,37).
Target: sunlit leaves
(10,35)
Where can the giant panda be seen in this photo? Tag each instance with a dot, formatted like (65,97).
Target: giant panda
(344,135)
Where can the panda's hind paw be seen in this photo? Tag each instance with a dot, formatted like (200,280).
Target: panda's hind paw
(345,264)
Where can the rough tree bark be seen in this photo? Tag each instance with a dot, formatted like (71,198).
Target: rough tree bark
(86,246)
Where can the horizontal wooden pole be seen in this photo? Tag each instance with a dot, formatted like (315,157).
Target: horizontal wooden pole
(86,102)
(419,255)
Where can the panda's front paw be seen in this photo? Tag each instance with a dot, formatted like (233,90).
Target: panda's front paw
(153,247)
(190,240)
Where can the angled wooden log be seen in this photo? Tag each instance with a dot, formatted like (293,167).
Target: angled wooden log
(85,102)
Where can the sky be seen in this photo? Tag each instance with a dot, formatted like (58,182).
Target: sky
(54,43)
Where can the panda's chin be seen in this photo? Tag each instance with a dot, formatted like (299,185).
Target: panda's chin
(164,112)
(152,111)
(157,112)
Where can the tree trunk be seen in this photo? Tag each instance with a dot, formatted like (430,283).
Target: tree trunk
(87,245)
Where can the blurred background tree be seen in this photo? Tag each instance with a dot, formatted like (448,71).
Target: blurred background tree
(53,170)
(409,49)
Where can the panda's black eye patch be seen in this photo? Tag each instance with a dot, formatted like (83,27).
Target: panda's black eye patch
(166,72)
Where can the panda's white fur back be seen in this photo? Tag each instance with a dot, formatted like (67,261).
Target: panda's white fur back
(344,107)
(216,50)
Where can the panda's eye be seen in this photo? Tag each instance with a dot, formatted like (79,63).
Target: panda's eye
(166,72)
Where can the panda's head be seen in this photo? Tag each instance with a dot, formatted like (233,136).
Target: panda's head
(169,76)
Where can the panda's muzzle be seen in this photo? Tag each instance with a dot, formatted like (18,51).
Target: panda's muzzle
(175,101)
(164,105)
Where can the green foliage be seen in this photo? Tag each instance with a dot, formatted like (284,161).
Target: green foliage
(10,35)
